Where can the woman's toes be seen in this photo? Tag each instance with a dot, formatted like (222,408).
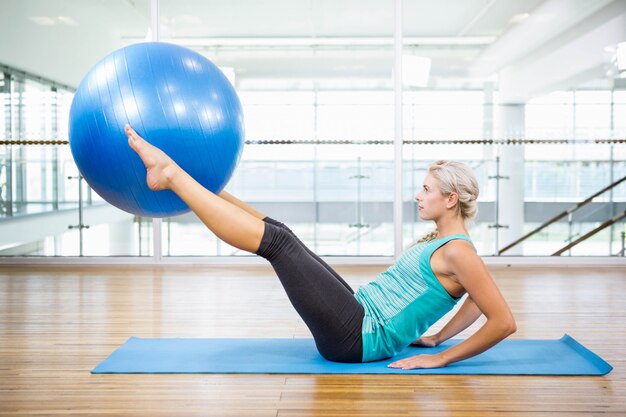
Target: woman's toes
(131,133)
(134,144)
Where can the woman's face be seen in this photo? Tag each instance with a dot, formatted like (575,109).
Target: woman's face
(431,203)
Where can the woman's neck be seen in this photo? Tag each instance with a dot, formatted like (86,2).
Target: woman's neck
(447,227)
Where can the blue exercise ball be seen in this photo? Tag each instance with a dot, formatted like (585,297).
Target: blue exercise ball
(174,98)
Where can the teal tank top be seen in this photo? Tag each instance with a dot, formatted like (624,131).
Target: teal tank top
(404,301)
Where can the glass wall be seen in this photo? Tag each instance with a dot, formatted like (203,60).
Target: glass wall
(46,208)
(311,119)
(433,121)
(319,153)
(559,176)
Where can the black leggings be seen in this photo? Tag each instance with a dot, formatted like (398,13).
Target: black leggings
(321,297)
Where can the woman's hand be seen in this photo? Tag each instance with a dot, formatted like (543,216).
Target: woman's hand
(427,341)
(419,361)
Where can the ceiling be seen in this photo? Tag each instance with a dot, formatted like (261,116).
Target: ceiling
(305,43)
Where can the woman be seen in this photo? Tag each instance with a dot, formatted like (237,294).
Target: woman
(386,315)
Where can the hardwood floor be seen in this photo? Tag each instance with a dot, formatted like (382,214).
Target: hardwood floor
(58,323)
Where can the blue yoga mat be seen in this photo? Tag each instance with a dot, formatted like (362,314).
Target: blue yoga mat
(299,356)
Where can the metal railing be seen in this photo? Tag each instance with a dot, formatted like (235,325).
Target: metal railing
(569,212)
(587,235)
(353,185)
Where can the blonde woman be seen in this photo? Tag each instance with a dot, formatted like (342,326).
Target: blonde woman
(389,313)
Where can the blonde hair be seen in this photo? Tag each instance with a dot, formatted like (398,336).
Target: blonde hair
(455,177)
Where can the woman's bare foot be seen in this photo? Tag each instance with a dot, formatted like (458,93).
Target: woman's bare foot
(161,168)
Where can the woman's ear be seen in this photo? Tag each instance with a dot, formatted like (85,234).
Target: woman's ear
(452,200)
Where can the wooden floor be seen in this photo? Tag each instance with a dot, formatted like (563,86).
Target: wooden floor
(56,324)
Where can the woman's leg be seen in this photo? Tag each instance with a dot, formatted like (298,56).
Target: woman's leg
(331,312)
(329,309)
(248,208)
(230,223)
(234,200)
(311,253)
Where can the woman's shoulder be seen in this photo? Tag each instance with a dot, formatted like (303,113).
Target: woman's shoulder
(456,256)
(458,249)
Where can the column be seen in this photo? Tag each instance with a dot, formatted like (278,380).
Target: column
(487,234)
(511,202)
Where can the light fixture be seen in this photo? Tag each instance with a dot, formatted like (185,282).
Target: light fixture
(67,20)
(42,20)
(308,42)
(229,72)
(415,70)
(52,20)
(520,17)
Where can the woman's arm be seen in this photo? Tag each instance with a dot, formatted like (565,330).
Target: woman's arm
(467,314)
(472,274)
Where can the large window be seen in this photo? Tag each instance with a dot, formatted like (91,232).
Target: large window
(319,120)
